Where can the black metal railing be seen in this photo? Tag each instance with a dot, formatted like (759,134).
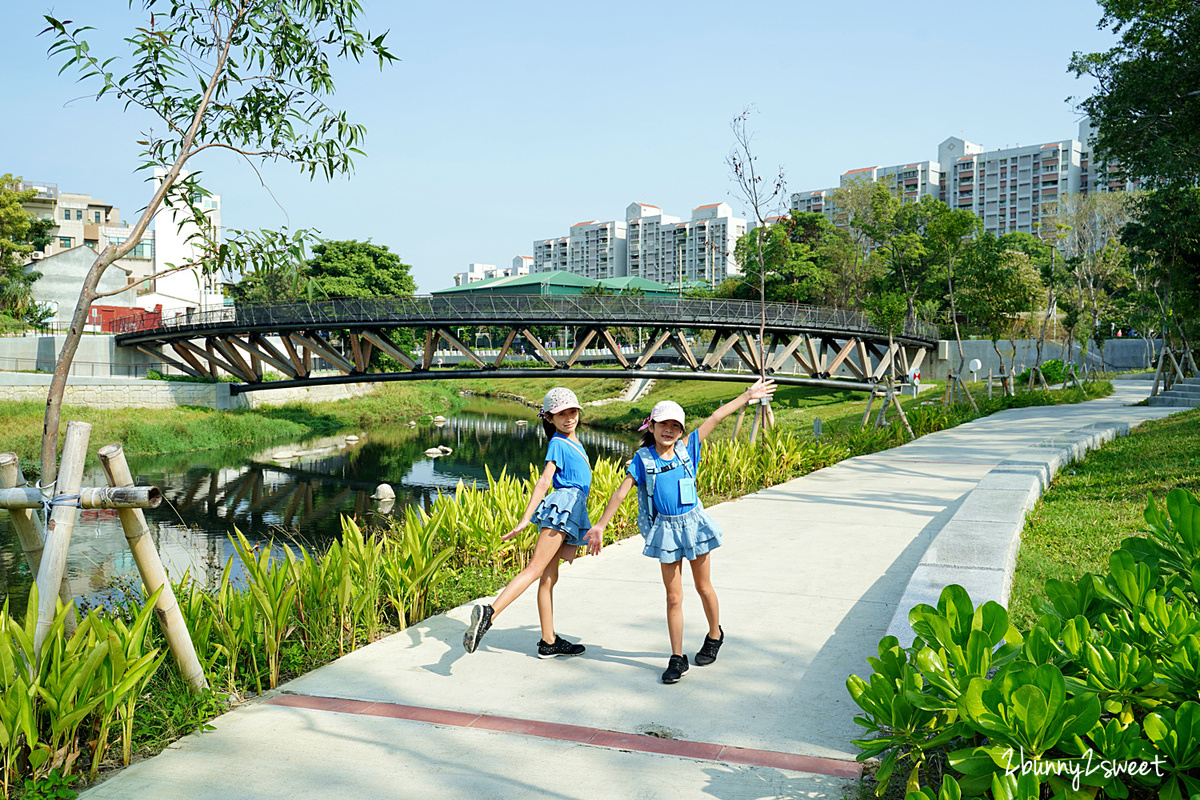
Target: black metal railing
(356,312)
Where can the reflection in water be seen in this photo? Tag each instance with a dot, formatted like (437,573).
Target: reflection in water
(294,492)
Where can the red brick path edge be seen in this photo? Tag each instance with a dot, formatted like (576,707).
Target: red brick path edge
(637,742)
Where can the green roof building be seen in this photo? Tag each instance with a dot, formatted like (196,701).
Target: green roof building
(539,283)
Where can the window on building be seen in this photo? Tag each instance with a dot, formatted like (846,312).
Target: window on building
(64,242)
(97,217)
(79,213)
(66,213)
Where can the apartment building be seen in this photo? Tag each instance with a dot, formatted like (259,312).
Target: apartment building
(1010,189)
(550,255)
(649,244)
(597,249)
(82,220)
(477,273)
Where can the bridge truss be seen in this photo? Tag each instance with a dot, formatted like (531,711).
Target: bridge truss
(822,347)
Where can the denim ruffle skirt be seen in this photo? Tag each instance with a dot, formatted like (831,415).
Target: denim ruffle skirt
(687,535)
(565,510)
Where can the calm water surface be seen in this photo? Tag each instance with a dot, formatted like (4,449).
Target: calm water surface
(294,492)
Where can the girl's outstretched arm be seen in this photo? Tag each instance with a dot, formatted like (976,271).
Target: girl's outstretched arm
(757,391)
(595,534)
(539,491)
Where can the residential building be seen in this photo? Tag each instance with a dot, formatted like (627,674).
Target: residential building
(598,249)
(63,272)
(1010,189)
(649,244)
(189,289)
(80,220)
(550,255)
(481,272)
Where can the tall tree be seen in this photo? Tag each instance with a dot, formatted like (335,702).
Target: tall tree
(1146,109)
(948,235)
(997,287)
(855,270)
(250,77)
(16,280)
(1164,241)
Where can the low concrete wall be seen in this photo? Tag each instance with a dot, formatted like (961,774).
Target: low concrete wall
(97,357)
(1117,354)
(133,393)
(977,548)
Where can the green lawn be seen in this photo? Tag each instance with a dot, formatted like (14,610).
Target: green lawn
(1096,503)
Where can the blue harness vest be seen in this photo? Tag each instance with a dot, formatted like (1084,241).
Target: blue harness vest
(646,510)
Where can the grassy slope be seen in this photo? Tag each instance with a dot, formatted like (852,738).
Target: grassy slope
(1096,503)
(188,429)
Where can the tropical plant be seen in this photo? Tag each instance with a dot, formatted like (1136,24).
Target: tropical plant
(1097,699)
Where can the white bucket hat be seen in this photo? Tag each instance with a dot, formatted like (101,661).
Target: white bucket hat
(663,411)
(559,399)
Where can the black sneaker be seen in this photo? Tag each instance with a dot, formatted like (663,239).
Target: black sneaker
(708,652)
(561,647)
(675,669)
(481,621)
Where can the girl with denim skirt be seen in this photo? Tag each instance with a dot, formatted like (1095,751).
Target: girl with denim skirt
(558,506)
(672,519)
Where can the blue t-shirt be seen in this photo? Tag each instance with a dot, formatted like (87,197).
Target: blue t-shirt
(666,484)
(571,467)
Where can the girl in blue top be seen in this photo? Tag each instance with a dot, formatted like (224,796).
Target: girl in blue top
(563,519)
(672,519)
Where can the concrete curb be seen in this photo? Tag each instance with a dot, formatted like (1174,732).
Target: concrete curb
(977,547)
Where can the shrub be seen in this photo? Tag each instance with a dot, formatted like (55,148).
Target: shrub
(1105,682)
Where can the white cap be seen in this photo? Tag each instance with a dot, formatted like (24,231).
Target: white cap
(559,399)
(667,409)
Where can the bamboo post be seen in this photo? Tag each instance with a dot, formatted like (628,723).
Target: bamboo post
(989,383)
(145,554)
(737,426)
(29,531)
(758,415)
(867,410)
(64,510)
(1158,371)
(900,411)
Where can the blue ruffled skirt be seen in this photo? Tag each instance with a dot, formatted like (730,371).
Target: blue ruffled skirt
(689,535)
(565,510)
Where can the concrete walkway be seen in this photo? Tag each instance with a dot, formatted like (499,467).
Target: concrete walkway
(809,579)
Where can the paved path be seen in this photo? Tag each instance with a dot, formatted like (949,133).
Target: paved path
(809,579)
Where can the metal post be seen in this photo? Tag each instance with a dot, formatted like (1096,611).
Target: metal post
(145,555)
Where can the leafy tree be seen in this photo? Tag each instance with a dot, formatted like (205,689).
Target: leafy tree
(948,235)
(359,269)
(1146,109)
(1164,242)
(245,76)
(854,270)
(798,252)
(996,288)
(16,281)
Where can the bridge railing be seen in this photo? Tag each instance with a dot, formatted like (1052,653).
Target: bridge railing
(536,309)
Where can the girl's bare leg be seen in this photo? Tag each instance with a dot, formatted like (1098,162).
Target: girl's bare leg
(545,594)
(708,595)
(548,544)
(672,575)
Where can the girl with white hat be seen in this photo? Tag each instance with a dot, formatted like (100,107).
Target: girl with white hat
(558,506)
(672,519)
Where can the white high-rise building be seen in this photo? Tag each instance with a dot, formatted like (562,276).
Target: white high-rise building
(597,250)
(1010,189)
(550,254)
(649,244)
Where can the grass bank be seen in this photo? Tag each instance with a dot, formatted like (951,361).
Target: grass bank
(1099,501)
(187,429)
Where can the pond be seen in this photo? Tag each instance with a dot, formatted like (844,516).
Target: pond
(294,492)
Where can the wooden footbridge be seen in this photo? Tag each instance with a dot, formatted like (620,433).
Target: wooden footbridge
(287,344)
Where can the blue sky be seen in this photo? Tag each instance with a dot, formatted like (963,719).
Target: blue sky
(508,122)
